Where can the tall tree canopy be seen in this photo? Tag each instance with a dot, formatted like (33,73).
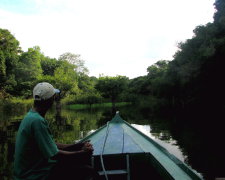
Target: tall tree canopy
(219,16)
(112,87)
(75,60)
(28,71)
(9,53)
(49,65)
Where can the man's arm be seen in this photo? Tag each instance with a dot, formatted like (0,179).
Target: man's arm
(86,149)
(67,154)
(61,146)
(71,147)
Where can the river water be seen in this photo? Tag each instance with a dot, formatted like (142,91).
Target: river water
(187,143)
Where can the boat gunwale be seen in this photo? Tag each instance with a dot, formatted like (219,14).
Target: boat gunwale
(93,133)
(177,161)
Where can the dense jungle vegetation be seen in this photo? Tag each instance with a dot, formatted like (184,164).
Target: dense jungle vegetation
(191,83)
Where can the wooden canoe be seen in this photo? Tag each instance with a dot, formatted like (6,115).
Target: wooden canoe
(123,152)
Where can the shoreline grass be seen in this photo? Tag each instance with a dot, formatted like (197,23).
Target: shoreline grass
(99,105)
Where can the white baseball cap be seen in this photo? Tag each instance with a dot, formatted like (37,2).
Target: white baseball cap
(44,91)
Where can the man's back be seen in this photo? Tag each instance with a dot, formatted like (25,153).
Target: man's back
(34,147)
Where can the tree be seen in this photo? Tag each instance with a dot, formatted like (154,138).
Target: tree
(157,69)
(219,16)
(76,61)
(89,98)
(49,65)
(139,86)
(28,71)
(9,53)
(85,83)
(65,78)
(2,68)
(155,77)
(112,87)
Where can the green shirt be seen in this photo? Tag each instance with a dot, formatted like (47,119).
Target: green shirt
(34,148)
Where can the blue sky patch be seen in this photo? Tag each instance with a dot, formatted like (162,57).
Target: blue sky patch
(19,6)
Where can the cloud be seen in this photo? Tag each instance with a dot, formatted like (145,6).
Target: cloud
(113,37)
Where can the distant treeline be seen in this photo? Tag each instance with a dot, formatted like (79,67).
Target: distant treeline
(191,83)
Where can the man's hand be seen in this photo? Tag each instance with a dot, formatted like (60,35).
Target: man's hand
(75,150)
(87,147)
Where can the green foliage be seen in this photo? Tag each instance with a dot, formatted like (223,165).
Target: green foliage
(30,63)
(90,99)
(9,51)
(112,87)
(9,47)
(28,71)
(49,65)
(219,16)
(86,84)
(157,69)
(15,105)
(98,105)
(139,85)
(2,68)
(2,96)
(148,85)
(87,98)
(65,79)
(156,77)
(20,71)
(76,61)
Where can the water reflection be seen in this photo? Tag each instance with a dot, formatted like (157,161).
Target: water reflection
(162,138)
(191,145)
(8,128)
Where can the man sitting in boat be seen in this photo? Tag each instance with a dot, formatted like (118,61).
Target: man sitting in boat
(37,156)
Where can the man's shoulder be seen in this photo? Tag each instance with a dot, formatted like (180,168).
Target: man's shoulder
(33,117)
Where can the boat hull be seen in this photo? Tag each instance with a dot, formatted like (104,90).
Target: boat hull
(117,139)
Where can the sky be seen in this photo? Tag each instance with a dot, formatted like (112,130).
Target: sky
(113,37)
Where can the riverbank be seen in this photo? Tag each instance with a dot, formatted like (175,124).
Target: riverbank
(15,104)
(11,103)
(98,105)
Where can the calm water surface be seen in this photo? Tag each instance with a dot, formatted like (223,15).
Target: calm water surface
(70,125)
